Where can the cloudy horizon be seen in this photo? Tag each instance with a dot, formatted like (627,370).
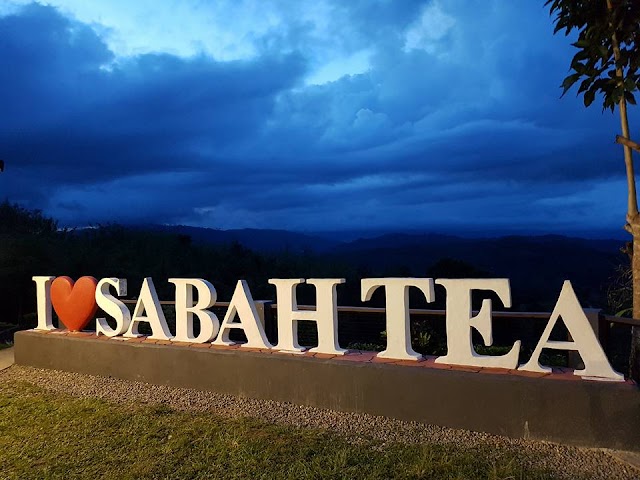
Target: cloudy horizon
(308,116)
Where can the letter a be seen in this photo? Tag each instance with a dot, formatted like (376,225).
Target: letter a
(244,307)
(596,365)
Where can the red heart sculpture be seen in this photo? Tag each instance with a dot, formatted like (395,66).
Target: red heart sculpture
(75,304)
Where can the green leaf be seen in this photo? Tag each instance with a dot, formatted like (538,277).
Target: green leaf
(569,82)
(603,51)
(624,313)
(584,85)
(598,29)
(629,84)
(629,97)
(589,97)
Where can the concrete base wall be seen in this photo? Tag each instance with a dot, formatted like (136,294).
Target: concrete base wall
(588,413)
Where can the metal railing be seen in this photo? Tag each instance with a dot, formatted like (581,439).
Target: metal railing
(368,322)
(633,322)
(597,318)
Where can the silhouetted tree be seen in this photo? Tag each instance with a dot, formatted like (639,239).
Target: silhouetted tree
(607,63)
(27,240)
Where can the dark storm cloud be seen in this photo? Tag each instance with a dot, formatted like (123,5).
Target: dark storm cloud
(458,119)
(77,118)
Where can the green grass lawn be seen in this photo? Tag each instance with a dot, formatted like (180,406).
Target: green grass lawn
(46,435)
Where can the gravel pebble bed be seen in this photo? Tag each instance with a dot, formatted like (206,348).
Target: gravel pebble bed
(565,461)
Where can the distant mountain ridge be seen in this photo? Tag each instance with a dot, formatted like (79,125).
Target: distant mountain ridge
(264,241)
(536,265)
(274,241)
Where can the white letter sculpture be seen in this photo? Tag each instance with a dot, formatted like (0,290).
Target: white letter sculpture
(325,315)
(460,320)
(149,304)
(43,297)
(185,309)
(112,306)
(249,322)
(397,306)
(568,307)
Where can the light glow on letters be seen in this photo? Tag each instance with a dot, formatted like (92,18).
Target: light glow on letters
(244,307)
(325,314)
(460,321)
(112,307)
(186,309)
(584,340)
(398,320)
(43,298)
(148,310)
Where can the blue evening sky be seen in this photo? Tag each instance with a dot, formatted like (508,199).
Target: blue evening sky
(441,115)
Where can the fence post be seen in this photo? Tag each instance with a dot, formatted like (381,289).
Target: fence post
(594,317)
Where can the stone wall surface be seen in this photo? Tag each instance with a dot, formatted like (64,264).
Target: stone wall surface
(558,407)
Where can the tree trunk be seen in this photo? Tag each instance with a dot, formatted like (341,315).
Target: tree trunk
(634,357)
(633,219)
(633,226)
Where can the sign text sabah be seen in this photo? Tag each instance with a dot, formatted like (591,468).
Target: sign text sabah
(76,303)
